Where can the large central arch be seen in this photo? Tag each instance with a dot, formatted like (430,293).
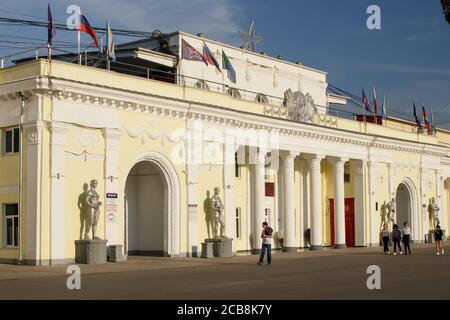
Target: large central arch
(407,206)
(153,163)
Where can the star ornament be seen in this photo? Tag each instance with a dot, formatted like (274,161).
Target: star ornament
(250,38)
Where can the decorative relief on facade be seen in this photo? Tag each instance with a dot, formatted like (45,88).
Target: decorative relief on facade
(274,111)
(33,137)
(156,133)
(327,121)
(85,138)
(85,155)
(300,107)
(275,77)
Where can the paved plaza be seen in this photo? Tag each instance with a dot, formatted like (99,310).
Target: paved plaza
(329,274)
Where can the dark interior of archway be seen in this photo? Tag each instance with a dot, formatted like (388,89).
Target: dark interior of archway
(145,206)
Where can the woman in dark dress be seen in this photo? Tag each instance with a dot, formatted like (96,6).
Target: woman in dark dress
(438,240)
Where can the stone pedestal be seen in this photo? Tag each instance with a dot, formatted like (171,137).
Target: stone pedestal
(90,251)
(222,247)
(207,250)
(115,253)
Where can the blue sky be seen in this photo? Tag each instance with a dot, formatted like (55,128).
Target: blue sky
(408,59)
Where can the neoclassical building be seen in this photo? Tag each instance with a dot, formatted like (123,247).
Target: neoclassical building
(159,131)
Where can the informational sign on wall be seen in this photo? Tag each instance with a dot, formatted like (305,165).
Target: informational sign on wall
(111,207)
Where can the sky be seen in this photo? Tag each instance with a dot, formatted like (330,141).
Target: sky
(407,59)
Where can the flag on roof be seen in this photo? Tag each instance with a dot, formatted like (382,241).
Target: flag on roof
(226,65)
(86,27)
(426,121)
(383,108)
(51,27)
(209,57)
(110,51)
(365,100)
(419,123)
(375,102)
(190,53)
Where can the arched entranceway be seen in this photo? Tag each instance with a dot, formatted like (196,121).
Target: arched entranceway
(152,208)
(406,207)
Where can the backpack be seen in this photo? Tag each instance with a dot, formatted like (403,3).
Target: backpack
(268,231)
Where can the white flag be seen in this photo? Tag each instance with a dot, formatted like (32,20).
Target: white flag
(110,42)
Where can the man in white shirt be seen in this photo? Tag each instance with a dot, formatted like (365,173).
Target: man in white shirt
(266,236)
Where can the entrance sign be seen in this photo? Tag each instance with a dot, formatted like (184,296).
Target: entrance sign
(111,207)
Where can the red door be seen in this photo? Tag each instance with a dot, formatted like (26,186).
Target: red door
(349,205)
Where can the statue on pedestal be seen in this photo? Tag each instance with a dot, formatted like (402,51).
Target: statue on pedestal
(433,213)
(390,211)
(93,210)
(219,217)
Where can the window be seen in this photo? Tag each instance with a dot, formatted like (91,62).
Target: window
(237,168)
(11,140)
(238,223)
(11,225)
(234,93)
(201,84)
(261,98)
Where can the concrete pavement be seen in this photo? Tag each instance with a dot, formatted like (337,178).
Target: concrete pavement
(329,274)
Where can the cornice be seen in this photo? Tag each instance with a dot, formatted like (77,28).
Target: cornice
(134,101)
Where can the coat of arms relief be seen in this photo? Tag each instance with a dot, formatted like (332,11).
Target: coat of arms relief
(300,107)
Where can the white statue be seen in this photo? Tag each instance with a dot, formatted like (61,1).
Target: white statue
(300,107)
(390,210)
(93,210)
(218,208)
(433,213)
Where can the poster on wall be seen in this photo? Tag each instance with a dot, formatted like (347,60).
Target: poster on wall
(111,207)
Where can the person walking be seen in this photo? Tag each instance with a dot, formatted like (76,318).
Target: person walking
(266,236)
(396,238)
(406,237)
(438,234)
(385,234)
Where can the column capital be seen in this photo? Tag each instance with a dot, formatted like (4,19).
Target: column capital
(111,133)
(311,157)
(58,132)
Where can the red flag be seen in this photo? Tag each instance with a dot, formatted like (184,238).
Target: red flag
(86,27)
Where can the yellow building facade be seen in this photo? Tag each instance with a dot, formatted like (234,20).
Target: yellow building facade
(158,150)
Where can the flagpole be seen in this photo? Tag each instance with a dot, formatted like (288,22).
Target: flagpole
(49,55)
(78,50)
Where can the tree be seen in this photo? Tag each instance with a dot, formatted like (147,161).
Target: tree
(446,8)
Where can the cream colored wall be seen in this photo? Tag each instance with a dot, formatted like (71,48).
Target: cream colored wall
(82,164)
(241,197)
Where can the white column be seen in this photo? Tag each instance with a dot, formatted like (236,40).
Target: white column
(339,203)
(289,202)
(57,213)
(439,194)
(228,189)
(259,192)
(111,176)
(374,239)
(316,203)
(423,203)
(392,186)
(360,217)
(32,189)
(304,202)
(193,159)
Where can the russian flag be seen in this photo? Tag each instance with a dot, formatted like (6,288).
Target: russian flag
(86,27)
